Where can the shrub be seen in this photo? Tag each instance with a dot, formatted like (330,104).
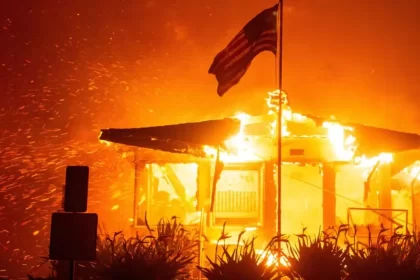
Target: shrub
(242,263)
(164,254)
(317,258)
(394,257)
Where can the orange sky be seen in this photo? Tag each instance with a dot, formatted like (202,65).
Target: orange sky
(352,59)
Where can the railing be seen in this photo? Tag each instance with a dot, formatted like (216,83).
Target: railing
(384,216)
(236,204)
(395,220)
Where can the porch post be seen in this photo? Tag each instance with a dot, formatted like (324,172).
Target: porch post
(384,186)
(203,185)
(328,196)
(141,191)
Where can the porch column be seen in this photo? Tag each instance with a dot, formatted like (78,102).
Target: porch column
(141,192)
(415,205)
(204,178)
(328,196)
(384,187)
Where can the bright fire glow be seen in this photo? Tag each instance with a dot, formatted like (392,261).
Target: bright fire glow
(343,145)
(103,141)
(341,138)
(413,171)
(383,158)
(239,148)
(271,258)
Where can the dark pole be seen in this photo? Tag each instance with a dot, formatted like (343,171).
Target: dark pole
(71,269)
(413,201)
(136,183)
(279,120)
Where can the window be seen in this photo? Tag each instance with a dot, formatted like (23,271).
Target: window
(239,195)
(171,191)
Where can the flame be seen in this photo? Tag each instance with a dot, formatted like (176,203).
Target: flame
(343,145)
(238,148)
(341,138)
(103,141)
(413,171)
(271,258)
(384,158)
(273,103)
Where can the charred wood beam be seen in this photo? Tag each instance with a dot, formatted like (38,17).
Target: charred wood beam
(376,140)
(404,159)
(154,144)
(211,133)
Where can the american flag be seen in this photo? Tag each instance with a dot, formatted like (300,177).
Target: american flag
(231,64)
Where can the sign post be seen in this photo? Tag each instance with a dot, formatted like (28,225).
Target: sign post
(73,232)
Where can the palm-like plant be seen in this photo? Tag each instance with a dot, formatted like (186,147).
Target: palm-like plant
(242,263)
(395,257)
(316,258)
(164,254)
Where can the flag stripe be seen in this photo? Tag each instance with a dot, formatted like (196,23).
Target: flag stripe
(240,60)
(231,64)
(223,87)
(227,53)
(231,76)
(233,70)
(239,54)
(236,51)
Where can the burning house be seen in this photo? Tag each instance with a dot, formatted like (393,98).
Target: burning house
(212,172)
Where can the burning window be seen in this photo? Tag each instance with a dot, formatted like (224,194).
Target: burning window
(239,193)
(171,192)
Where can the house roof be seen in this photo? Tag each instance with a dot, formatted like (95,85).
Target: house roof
(188,138)
(184,139)
(373,140)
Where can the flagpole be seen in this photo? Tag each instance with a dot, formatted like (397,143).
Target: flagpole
(279,120)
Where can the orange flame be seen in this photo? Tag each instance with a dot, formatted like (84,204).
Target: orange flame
(341,137)
(364,161)
(271,258)
(413,171)
(238,148)
(103,141)
(343,145)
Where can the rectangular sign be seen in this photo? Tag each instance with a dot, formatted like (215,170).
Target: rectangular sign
(76,189)
(73,236)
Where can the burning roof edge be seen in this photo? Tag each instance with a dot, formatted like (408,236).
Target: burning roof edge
(184,138)
(189,138)
(375,140)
